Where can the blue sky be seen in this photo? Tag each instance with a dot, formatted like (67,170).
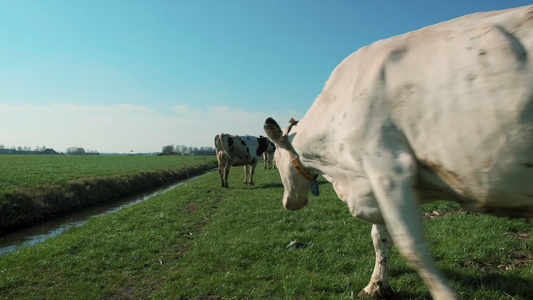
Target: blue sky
(117,76)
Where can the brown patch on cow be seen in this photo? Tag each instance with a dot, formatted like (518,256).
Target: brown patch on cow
(449,177)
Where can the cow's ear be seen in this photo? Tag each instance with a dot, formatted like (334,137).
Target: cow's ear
(274,133)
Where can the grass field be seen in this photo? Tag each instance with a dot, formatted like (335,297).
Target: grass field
(21,171)
(35,188)
(200,241)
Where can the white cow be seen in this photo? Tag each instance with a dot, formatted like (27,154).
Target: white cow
(444,112)
(234,150)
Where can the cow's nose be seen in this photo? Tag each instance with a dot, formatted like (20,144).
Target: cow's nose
(295,204)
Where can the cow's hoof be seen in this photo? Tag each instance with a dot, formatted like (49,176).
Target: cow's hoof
(377,293)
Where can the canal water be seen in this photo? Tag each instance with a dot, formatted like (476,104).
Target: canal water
(35,234)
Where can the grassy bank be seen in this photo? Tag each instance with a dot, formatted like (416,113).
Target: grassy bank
(200,241)
(36,188)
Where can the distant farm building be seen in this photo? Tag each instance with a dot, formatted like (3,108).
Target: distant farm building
(204,152)
(48,151)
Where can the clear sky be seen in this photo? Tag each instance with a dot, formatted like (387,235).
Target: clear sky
(121,76)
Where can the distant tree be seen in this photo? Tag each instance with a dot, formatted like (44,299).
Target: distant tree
(75,151)
(168,150)
(92,152)
(181,149)
(2,147)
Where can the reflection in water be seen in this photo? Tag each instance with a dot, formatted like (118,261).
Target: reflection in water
(38,233)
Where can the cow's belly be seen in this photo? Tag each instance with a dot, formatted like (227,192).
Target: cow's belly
(475,146)
(237,161)
(498,181)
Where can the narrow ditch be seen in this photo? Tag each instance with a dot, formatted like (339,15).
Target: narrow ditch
(38,233)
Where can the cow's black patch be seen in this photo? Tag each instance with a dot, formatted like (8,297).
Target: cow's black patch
(230,141)
(247,150)
(243,143)
(263,144)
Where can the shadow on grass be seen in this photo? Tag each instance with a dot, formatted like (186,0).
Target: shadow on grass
(467,285)
(280,185)
(272,185)
(508,284)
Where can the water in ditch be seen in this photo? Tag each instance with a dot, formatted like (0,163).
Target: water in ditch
(35,234)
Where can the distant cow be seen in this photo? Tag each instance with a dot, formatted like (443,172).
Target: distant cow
(234,150)
(269,159)
(445,112)
(268,155)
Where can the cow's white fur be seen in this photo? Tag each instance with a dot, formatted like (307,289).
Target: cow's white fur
(234,150)
(445,112)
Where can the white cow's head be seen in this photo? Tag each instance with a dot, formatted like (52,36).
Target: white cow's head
(295,184)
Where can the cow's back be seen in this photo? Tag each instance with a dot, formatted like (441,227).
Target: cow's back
(459,92)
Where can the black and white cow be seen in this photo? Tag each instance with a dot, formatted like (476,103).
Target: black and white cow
(269,159)
(234,150)
(268,155)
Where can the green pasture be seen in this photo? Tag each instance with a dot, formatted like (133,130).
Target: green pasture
(35,188)
(200,241)
(21,171)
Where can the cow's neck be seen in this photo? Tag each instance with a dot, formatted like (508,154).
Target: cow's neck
(312,142)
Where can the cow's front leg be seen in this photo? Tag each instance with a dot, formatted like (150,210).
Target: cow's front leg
(253,166)
(246,172)
(379,286)
(252,174)
(392,174)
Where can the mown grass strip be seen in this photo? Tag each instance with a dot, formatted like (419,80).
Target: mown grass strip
(26,205)
(200,241)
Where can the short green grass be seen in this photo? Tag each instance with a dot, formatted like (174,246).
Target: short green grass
(200,241)
(35,188)
(21,171)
